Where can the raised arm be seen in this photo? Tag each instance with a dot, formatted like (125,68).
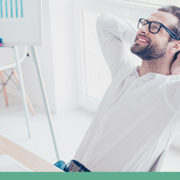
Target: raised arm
(113,34)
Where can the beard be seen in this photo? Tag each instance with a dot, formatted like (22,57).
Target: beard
(149,51)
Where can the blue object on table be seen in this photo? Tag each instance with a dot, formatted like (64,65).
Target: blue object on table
(72,166)
(60,165)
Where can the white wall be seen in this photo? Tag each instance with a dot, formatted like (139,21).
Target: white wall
(64,65)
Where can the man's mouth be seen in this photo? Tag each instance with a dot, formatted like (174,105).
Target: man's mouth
(142,39)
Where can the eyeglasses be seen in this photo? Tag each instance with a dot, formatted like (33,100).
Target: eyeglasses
(154,27)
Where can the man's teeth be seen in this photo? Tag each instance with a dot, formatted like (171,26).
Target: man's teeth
(142,40)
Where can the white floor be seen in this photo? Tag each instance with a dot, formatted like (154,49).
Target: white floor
(69,130)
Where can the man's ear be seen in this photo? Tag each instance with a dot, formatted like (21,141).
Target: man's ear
(176,46)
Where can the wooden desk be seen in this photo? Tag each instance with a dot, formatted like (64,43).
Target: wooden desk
(30,160)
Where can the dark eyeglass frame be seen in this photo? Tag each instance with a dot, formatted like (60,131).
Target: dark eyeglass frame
(171,33)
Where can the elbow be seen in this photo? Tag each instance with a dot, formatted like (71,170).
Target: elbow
(104,20)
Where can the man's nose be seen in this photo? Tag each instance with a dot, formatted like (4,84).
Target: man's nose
(145,29)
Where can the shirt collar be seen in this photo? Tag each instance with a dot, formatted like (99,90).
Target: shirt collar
(148,76)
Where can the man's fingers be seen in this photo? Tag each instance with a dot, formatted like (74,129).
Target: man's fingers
(175,68)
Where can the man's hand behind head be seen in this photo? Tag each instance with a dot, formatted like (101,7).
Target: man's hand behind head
(175,67)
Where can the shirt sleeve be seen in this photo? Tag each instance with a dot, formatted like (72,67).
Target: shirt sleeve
(114,36)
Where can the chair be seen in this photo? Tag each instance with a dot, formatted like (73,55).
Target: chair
(7,63)
(5,82)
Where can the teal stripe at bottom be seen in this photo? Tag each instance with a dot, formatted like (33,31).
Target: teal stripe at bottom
(91,176)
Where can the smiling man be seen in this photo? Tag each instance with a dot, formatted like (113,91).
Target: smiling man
(140,113)
(157,41)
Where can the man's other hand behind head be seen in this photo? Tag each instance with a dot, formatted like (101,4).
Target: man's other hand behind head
(175,67)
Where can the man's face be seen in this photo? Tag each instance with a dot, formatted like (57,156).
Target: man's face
(152,46)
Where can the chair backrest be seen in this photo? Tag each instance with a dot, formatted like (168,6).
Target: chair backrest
(7,56)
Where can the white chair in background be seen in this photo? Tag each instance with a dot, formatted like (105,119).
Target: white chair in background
(7,63)
(5,78)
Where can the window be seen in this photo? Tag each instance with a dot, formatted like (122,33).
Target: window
(97,73)
(93,73)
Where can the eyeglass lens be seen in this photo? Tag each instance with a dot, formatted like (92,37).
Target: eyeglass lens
(154,27)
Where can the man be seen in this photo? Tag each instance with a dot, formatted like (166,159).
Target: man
(139,114)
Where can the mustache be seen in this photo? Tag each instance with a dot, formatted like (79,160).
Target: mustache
(141,35)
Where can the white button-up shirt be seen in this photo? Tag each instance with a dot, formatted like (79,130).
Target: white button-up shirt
(138,116)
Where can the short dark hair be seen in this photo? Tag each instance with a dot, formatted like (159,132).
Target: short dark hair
(174,10)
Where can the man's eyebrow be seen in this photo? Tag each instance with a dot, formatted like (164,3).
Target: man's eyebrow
(153,20)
